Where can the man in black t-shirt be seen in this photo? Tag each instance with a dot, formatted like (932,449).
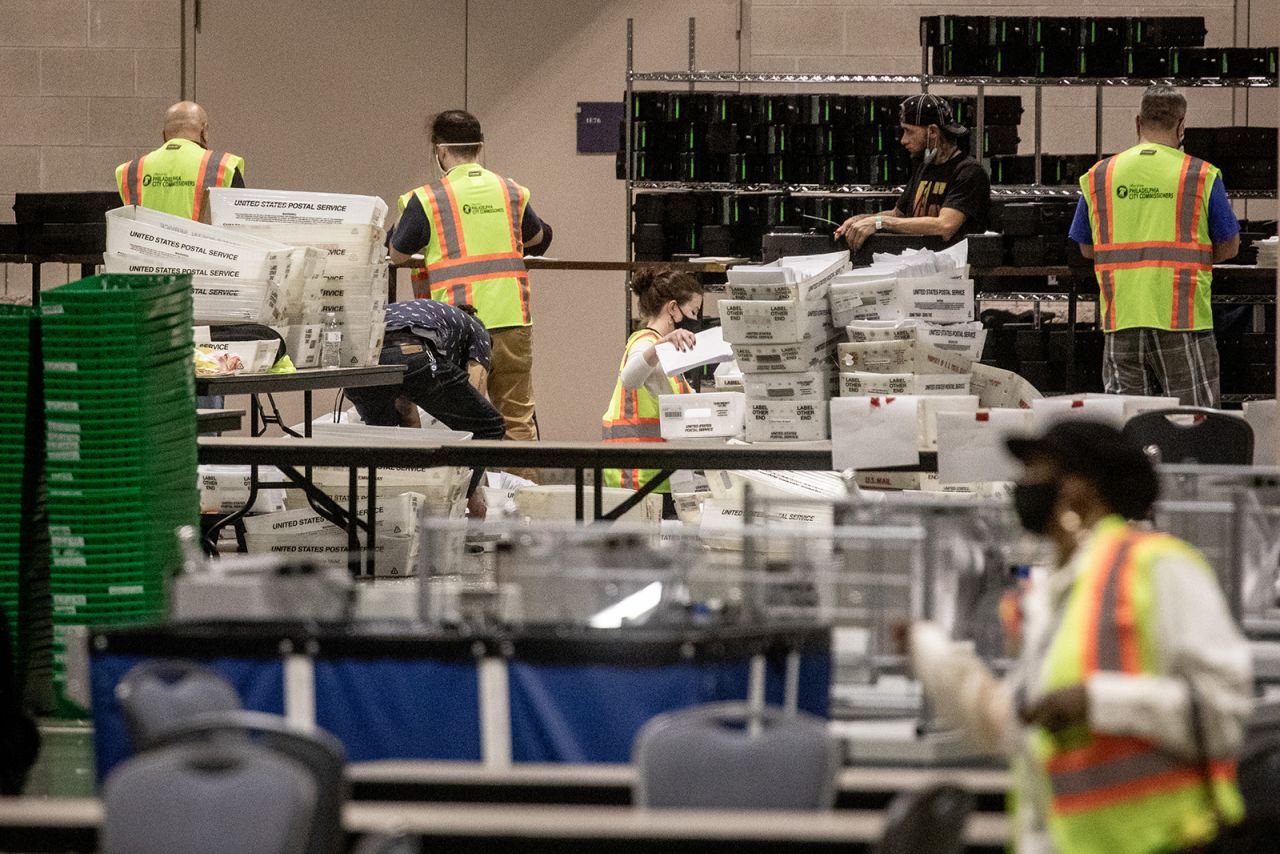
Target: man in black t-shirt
(949,195)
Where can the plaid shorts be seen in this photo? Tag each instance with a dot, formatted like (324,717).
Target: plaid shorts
(1169,364)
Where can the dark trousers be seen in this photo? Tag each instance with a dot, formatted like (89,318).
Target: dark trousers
(440,388)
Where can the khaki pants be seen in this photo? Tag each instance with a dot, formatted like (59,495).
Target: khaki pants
(511,385)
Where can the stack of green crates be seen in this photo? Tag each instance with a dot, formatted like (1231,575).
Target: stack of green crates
(15,368)
(120,415)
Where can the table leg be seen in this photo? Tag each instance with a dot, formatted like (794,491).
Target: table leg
(35,284)
(211,536)
(579,482)
(371,523)
(306,413)
(257,423)
(597,505)
(353,526)
(637,496)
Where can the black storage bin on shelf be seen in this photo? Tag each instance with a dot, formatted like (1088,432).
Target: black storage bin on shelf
(1107,33)
(1147,61)
(1249,174)
(1101,61)
(1000,140)
(1010,30)
(10,238)
(650,207)
(1245,142)
(1061,34)
(87,207)
(1195,62)
(55,238)
(1041,250)
(1056,61)
(986,250)
(1175,31)
(966,30)
(1013,169)
(1239,63)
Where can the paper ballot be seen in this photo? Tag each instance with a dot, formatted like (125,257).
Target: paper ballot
(971,444)
(709,349)
(874,432)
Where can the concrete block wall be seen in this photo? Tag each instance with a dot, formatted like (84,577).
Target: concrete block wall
(83,87)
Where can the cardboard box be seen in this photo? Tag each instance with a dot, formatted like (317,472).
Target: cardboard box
(697,416)
(809,385)
(878,357)
(763,321)
(862,383)
(777,421)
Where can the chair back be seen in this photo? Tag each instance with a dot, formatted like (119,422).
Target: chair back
(930,819)
(213,798)
(724,756)
(164,693)
(1191,435)
(316,751)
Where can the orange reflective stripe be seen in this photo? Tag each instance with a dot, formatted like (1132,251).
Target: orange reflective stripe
(222,169)
(199,188)
(437,221)
(461,248)
(1126,617)
(137,176)
(125,194)
(446,263)
(1183,777)
(1154,244)
(1134,265)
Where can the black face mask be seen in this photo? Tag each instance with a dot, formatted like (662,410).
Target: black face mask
(1034,503)
(689,324)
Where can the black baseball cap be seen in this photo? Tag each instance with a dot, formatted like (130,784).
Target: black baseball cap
(1101,454)
(924,110)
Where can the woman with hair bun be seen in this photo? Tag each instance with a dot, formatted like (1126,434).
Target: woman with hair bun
(670,303)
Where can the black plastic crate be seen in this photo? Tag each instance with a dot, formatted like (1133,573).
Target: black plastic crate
(699,166)
(649,106)
(87,207)
(1000,140)
(1012,60)
(1241,62)
(1194,62)
(746,168)
(1248,174)
(1020,219)
(845,169)
(716,240)
(1178,31)
(722,137)
(10,238)
(1060,33)
(1056,61)
(650,208)
(1101,61)
(1010,30)
(54,238)
(959,30)
(650,238)
(962,61)
(1013,169)
(1240,142)
(1109,33)
(986,250)
(1041,250)
(1147,61)
(1066,169)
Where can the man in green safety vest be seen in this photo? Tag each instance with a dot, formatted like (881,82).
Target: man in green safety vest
(473,228)
(1155,221)
(176,176)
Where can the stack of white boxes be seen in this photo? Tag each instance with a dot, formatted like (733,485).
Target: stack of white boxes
(778,321)
(909,333)
(349,276)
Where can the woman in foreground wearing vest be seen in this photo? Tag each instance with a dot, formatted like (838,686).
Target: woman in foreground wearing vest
(1118,637)
(670,303)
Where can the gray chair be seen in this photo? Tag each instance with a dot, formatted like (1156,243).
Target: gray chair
(931,819)
(164,693)
(1258,769)
(315,750)
(216,798)
(1207,437)
(387,843)
(720,756)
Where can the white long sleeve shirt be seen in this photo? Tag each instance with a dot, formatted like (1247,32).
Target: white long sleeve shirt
(1195,639)
(638,373)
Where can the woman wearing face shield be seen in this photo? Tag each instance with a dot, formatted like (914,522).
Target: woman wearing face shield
(1127,641)
(670,305)
(949,195)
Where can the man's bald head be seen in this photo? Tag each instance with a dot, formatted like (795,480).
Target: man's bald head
(186,120)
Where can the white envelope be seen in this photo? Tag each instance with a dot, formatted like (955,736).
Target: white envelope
(708,349)
(971,444)
(1109,409)
(874,432)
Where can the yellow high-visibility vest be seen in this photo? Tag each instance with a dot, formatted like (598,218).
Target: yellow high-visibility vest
(1121,794)
(174,177)
(475,254)
(633,416)
(1149,212)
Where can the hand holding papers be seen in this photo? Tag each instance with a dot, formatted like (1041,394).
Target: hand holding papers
(709,349)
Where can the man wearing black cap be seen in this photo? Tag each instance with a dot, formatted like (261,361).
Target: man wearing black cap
(950,193)
(1128,651)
